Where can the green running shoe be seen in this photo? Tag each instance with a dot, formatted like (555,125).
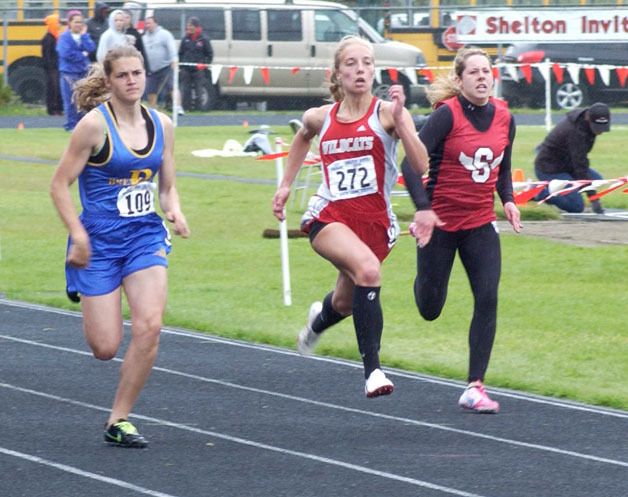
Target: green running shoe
(124,434)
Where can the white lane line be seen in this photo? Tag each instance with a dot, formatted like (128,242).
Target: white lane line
(252,443)
(352,410)
(539,399)
(85,474)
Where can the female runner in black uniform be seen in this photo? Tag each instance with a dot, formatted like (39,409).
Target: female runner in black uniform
(469,139)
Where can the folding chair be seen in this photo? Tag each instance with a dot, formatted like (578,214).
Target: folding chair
(303,184)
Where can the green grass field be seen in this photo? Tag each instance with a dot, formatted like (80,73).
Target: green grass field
(561,324)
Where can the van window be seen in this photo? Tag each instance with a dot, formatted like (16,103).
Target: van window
(246,24)
(212,21)
(333,25)
(284,25)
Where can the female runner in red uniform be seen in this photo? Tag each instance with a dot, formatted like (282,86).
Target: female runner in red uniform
(350,220)
(469,139)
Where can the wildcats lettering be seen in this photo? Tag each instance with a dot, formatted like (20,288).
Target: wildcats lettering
(353,144)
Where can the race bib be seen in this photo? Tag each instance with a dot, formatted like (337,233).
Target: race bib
(137,200)
(349,178)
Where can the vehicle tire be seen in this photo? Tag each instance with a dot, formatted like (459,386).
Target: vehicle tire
(206,101)
(380,90)
(568,95)
(29,83)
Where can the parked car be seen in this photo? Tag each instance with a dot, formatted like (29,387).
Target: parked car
(301,35)
(568,94)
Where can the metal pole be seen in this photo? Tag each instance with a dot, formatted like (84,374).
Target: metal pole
(283,234)
(548,95)
(5,49)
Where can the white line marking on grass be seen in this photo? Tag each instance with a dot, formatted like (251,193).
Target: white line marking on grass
(238,440)
(539,399)
(352,410)
(85,474)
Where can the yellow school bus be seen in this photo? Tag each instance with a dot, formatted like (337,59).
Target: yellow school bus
(429,24)
(21,30)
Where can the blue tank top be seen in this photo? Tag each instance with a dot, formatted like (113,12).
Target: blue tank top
(123,186)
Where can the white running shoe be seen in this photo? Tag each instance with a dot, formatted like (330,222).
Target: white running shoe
(474,398)
(377,384)
(307,339)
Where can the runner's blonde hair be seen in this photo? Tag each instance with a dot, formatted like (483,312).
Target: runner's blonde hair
(445,86)
(91,91)
(335,88)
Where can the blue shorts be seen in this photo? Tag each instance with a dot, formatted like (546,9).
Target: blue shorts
(159,82)
(119,247)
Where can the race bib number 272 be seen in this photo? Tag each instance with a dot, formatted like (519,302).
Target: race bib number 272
(350,178)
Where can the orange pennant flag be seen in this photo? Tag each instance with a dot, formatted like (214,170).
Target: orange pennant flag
(200,67)
(522,198)
(277,155)
(589,72)
(622,74)
(495,73)
(559,73)
(598,195)
(265,74)
(232,72)
(526,69)
(394,74)
(295,70)
(429,75)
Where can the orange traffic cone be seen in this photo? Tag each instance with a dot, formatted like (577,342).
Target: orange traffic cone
(518,176)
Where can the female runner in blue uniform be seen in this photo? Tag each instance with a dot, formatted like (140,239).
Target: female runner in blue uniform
(469,139)
(123,156)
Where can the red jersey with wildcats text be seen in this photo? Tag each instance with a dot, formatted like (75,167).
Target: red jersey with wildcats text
(463,195)
(359,169)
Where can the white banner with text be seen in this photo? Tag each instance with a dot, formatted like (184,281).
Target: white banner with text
(542,25)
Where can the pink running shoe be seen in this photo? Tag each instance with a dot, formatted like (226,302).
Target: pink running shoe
(377,384)
(475,398)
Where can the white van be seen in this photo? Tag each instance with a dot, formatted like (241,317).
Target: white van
(294,39)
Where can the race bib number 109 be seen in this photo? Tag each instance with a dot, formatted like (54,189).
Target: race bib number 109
(137,200)
(350,178)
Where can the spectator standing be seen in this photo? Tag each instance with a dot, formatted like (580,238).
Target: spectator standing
(564,155)
(114,37)
(73,47)
(98,24)
(54,104)
(195,53)
(130,30)
(161,54)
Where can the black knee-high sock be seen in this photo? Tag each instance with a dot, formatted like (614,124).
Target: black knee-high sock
(369,323)
(328,316)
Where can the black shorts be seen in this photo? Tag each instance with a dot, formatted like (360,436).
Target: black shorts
(314,229)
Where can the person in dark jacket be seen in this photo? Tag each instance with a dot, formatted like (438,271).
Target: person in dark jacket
(50,59)
(195,53)
(98,24)
(563,155)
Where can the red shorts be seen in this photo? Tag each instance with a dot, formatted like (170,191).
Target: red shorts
(377,237)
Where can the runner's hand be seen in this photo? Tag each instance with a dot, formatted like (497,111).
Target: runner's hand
(279,202)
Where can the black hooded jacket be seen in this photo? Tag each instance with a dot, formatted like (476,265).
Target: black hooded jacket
(98,24)
(566,148)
